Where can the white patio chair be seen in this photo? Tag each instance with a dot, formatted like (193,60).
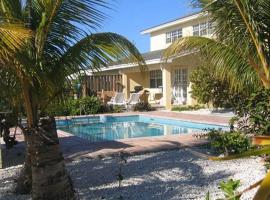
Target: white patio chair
(134,99)
(118,100)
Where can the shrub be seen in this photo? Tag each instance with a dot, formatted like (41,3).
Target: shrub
(63,108)
(254,114)
(86,105)
(187,108)
(73,106)
(117,109)
(228,142)
(207,88)
(90,105)
(229,189)
(142,106)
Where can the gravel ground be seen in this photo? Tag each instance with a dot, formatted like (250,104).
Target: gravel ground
(170,175)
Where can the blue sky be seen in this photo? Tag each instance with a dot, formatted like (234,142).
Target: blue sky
(129,17)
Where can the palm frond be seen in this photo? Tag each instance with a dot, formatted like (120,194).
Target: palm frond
(243,24)
(13,37)
(263,192)
(257,152)
(10,10)
(63,23)
(228,61)
(94,52)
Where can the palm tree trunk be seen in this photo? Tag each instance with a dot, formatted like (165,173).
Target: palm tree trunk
(44,165)
(24,181)
(50,179)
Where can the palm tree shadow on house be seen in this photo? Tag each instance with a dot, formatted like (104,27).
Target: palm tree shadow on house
(163,175)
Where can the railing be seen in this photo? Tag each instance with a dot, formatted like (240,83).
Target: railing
(100,83)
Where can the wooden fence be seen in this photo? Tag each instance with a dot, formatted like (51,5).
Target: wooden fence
(98,83)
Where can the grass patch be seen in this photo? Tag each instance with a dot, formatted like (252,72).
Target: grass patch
(187,108)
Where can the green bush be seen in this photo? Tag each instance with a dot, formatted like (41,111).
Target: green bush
(117,109)
(89,105)
(208,89)
(84,106)
(142,106)
(187,108)
(229,189)
(228,142)
(254,113)
(63,108)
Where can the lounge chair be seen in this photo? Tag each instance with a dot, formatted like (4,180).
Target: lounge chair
(118,100)
(134,99)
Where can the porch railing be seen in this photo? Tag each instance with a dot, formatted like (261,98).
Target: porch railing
(100,83)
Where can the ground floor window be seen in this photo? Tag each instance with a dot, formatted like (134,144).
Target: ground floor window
(155,79)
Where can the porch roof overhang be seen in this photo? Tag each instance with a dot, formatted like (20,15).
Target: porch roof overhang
(151,58)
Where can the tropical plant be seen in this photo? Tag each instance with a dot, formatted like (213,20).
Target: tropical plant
(239,52)
(43,44)
(187,108)
(208,89)
(143,106)
(229,189)
(90,105)
(228,142)
(254,114)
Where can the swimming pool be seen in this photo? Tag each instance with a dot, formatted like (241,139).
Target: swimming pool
(104,128)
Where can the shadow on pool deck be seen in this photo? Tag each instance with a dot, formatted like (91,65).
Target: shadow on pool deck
(77,148)
(74,147)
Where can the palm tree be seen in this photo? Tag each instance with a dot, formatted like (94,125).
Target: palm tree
(240,50)
(61,44)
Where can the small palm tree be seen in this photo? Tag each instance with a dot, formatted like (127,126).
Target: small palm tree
(57,43)
(239,51)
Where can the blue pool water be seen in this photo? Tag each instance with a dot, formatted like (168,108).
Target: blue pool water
(104,128)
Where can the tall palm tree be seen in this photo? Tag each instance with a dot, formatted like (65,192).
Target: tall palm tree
(240,50)
(62,43)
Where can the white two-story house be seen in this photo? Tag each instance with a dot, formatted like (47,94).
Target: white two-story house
(170,79)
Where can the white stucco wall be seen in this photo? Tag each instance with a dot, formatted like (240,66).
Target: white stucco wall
(158,38)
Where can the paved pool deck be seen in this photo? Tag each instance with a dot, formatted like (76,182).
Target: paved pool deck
(76,148)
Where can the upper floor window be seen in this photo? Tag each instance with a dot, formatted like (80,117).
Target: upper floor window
(173,35)
(205,28)
(210,28)
(196,30)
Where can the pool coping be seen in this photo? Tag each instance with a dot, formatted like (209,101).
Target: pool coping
(140,145)
(151,114)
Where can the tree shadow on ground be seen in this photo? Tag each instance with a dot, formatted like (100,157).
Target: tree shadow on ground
(74,146)
(13,156)
(164,175)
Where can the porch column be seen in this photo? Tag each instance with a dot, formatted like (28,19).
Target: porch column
(167,86)
(126,84)
(84,88)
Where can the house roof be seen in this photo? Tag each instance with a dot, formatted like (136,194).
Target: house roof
(177,21)
(153,55)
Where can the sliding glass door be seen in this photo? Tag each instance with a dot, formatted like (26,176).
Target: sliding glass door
(180,85)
